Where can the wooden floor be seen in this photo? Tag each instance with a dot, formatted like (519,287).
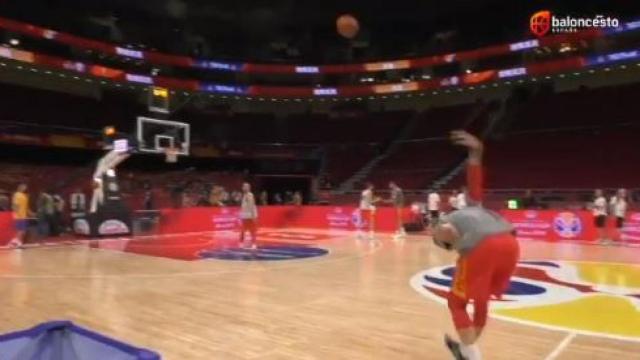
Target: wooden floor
(356,302)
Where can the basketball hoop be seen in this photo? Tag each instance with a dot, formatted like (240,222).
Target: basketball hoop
(171,155)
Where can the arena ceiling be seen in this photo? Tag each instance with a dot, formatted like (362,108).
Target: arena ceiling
(301,30)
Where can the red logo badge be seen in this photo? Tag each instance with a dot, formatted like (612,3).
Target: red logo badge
(540,23)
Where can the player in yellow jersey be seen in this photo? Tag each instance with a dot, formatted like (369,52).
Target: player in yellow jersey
(21,212)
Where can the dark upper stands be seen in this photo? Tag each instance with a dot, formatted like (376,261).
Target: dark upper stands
(579,139)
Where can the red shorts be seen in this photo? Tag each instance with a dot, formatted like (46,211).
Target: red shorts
(367,216)
(487,268)
(248,225)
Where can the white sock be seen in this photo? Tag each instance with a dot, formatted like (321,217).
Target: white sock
(471,352)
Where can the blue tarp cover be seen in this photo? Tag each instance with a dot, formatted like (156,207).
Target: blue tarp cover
(63,340)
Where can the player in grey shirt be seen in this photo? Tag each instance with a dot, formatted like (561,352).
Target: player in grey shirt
(397,199)
(488,252)
(473,224)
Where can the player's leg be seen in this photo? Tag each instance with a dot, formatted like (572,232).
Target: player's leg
(617,229)
(462,322)
(507,257)
(21,231)
(400,224)
(600,222)
(243,229)
(366,218)
(471,281)
(493,279)
(372,223)
(360,223)
(457,303)
(253,230)
(468,329)
(434,218)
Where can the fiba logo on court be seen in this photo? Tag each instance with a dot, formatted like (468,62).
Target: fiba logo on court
(567,225)
(550,293)
(543,22)
(263,253)
(522,290)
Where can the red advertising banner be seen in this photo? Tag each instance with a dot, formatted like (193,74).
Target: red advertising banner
(7,231)
(631,228)
(552,225)
(548,225)
(179,60)
(562,225)
(319,217)
(293,91)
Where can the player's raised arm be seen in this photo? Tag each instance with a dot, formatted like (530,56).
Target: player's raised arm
(474,162)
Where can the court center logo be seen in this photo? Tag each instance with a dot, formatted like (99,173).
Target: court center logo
(263,253)
(559,295)
(543,22)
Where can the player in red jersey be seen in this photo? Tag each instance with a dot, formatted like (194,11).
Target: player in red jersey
(488,252)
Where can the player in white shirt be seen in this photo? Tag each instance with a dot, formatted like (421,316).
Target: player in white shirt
(97,199)
(462,198)
(248,216)
(368,208)
(618,205)
(600,214)
(453,201)
(433,206)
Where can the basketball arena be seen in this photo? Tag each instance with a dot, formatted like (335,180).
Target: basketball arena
(186,179)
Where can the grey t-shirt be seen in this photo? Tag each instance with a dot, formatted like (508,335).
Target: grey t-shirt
(474,223)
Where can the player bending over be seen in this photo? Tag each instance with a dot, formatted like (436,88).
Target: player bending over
(488,252)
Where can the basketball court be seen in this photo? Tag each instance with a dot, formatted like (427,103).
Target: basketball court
(142,141)
(320,294)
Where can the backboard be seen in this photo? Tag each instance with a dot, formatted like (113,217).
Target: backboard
(156,135)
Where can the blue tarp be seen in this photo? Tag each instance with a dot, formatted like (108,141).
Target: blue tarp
(63,340)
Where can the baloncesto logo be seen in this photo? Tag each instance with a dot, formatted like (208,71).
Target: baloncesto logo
(540,23)
(543,22)
(567,295)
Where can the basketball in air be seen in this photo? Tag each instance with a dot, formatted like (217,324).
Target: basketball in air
(347,26)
